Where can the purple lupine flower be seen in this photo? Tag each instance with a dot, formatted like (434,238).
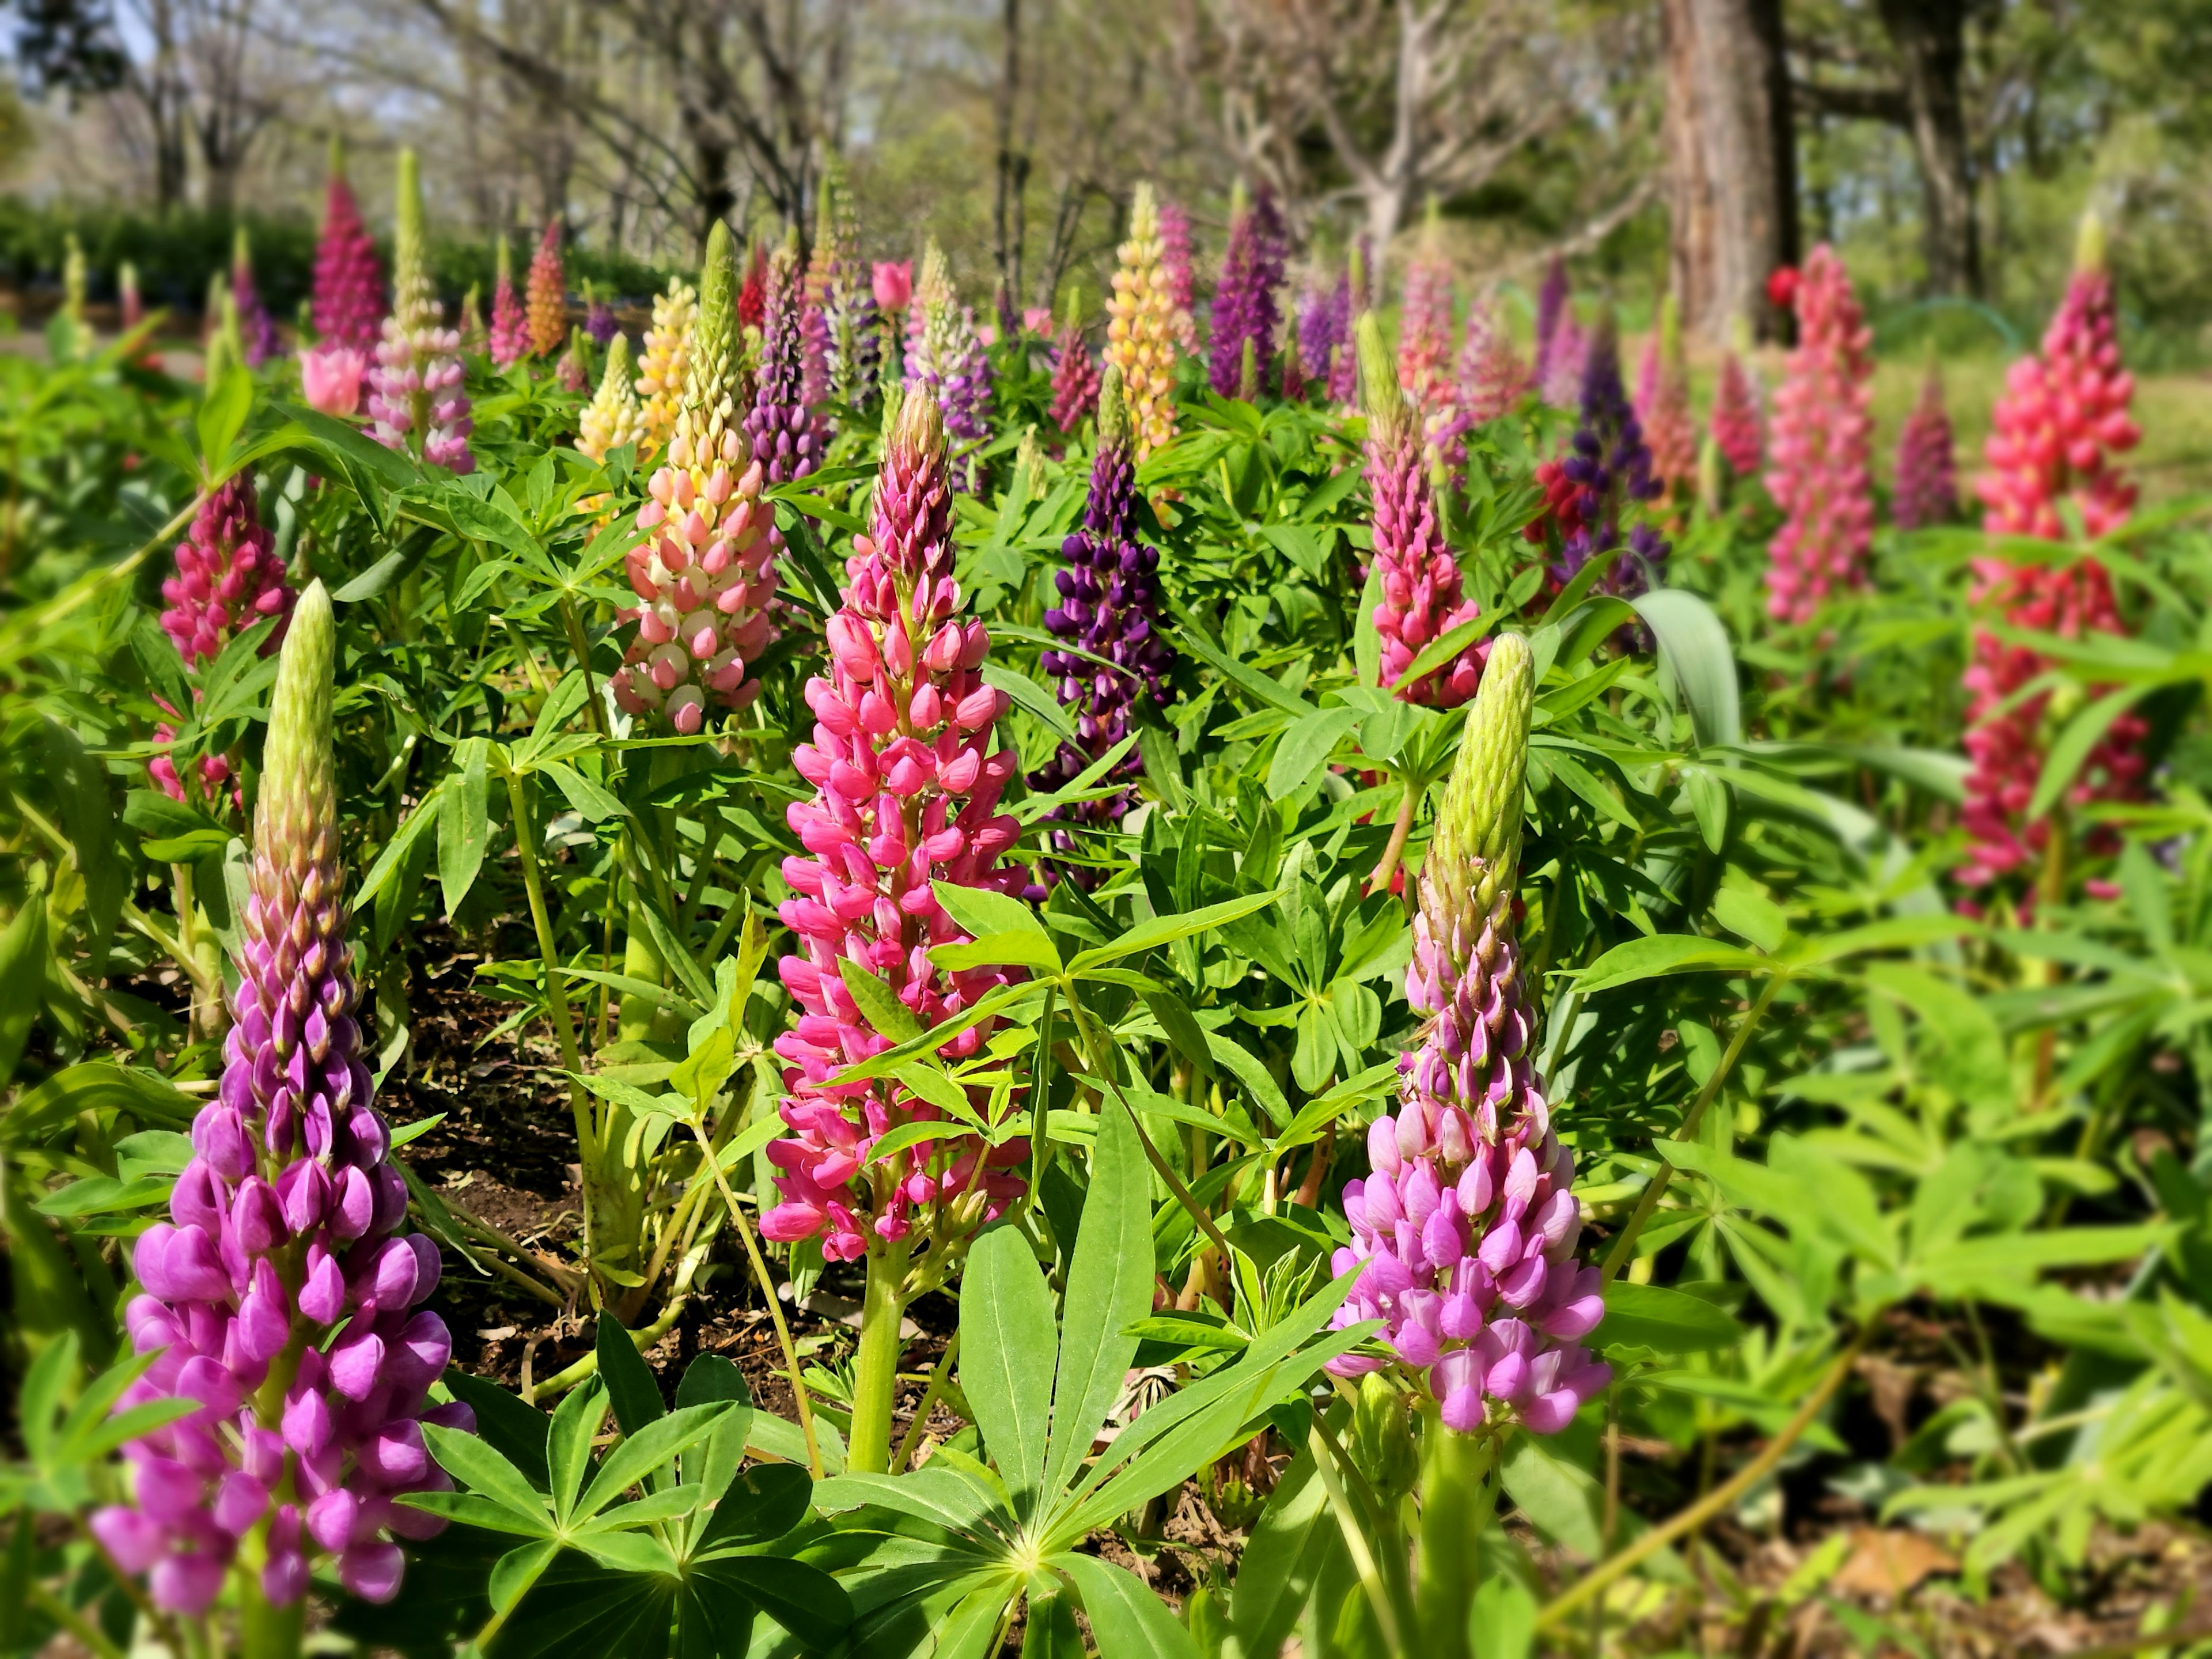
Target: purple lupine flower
(1926,490)
(349,293)
(842,295)
(416,401)
(1324,329)
(1343,305)
(257,329)
(944,352)
(1466,1229)
(787,439)
(1110,608)
(598,317)
(1608,467)
(287,1232)
(1245,308)
(1552,313)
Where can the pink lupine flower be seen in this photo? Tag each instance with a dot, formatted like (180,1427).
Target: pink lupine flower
(331,378)
(1422,599)
(510,323)
(228,576)
(1662,405)
(1820,475)
(1182,281)
(1492,378)
(1466,1228)
(894,284)
(1075,374)
(907,790)
(1424,354)
(1735,419)
(417,403)
(349,293)
(283,1295)
(1926,487)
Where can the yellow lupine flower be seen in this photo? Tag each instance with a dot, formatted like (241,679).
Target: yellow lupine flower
(613,417)
(1140,329)
(664,366)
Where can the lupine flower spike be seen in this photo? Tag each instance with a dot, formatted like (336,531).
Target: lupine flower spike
(1325,326)
(838,287)
(257,329)
(1561,348)
(704,566)
(1348,303)
(1424,333)
(417,402)
(348,302)
(1591,489)
(786,435)
(1176,262)
(1823,443)
(1110,608)
(286,1231)
(907,791)
(574,372)
(613,416)
(548,303)
(1926,488)
(1466,1227)
(1140,329)
(1421,597)
(944,353)
(598,317)
(1246,310)
(1736,418)
(1662,405)
(510,323)
(1492,378)
(666,366)
(1075,380)
(2062,418)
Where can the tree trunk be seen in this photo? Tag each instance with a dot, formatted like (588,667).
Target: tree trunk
(1930,38)
(1732,176)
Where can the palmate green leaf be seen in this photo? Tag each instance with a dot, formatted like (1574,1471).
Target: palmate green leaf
(514,1573)
(569,1444)
(464,823)
(472,1510)
(878,1004)
(471,1459)
(657,1444)
(1275,1574)
(1007,949)
(1562,1501)
(930,1494)
(1008,1348)
(1128,1620)
(2070,752)
(629,1380)
(1032,698)
(1306,747)
(1695,654)
(980,912)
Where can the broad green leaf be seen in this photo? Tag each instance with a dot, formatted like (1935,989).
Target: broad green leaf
(1697,660)
(647,1450)
(463,823)
(1305,748)
(1662,954)
(980,912)
(1275,1574)
(471,1459)
(1670,1321)
(630,1386)
(1562,1501)
(514,1573)
(1007,1351)
(1165,930)
(1128,1620)
(878,1004)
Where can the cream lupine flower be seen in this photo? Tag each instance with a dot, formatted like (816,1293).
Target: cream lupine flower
(1141,331)
(665,363)
(613,417)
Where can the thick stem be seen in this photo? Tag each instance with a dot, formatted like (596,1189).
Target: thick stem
(266,1632)
(875,1370)
(1455,1499)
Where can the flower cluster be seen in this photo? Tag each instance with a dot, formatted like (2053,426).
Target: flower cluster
(1926,488)
(944,353)
(1466,1227)
(907,791)
(348,291)
(228,576)
(1141,338)
(613,417)
(1591,488)
(704,566)
(257,328)
(548,295)
(665,367)
(1662,405)
(1734,427)
(787,437)
(286,1232)
(1246,312)
(1325,329)
(416,401)
(1182,276)
(838,287)
(510,323)
(599,318)
(1492,378)
(1108,609)
(1819,476)
(1561,345)
(1075,379)
(1422,599)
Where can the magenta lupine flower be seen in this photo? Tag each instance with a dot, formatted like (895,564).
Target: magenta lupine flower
(1175,265)
(1468,1225)
(1245,309)
(704,568)
(510,323)
(416,401)
(1422,599)
(1926,488)
(787,438)
(1735,419)
(228,576)
(1075,379)
(1324,327)
(257,329)
(348,294)
(1822,443)
(907,791)
(1492,378)
(286,1230)
(1344,305)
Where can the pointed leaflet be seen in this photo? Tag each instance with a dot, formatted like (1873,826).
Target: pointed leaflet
(1127,1621)
(1006,1353)
(1110,1288)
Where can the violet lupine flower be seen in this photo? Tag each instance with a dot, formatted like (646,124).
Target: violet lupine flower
(787,439)
(1246,310)
(1492,378)
(510,323)
(838,284)
(1466,1228)
(547,292)
(944,353)
(704,566)
(349,293)
(599,318)
(417,402)
(257,329)
(287,1230)
(1607,469)
(1821,477)
(1346,304)
(1181,283)
(1422,599)
(1553,311)
(907,791)
(1736,418)
(1325,329)
(1109,607)
(1075,379)
(1926,490)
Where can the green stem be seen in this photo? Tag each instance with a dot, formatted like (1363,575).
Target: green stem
(1618,1257)
(68,1619)
(875,1380)
(1326,1453)
(1408,805)
(938,1379)
(266,1632)
(1455,1498)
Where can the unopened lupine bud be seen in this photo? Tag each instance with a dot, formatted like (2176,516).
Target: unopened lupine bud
(703,568)
(786,436)
(300,1443)
(1422,597)
(416,401)
(1246,309)
(1140,334)
(510,323)
(1466,1227)
(907,791)
(547,301)
(1818,473)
